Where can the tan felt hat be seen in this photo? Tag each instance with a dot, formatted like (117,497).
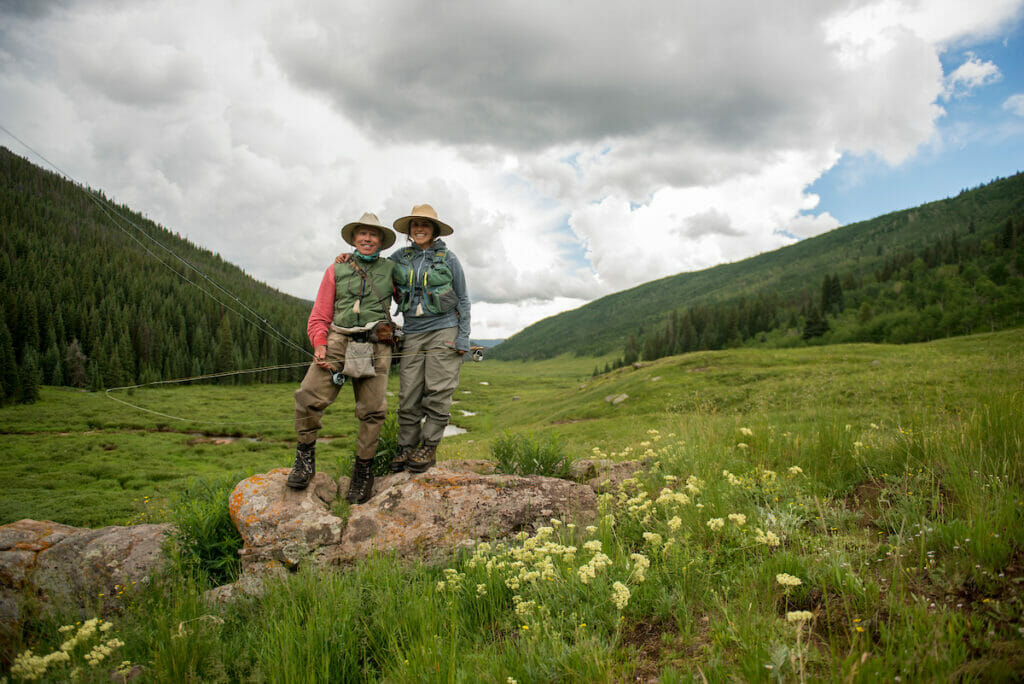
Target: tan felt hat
(368,220)
(424,211)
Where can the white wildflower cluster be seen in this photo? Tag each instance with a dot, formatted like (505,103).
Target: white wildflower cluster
(637,505)
(620,595)
(640,565)
(799,616)
(29,666)
(523,608)
(102,651)
(694,484)
(715,523)
(731,479)
(768,538)
(788,580)
(597,563)
(674,523)
(737,519)
(530,612)
(746,432)
(795,470)
(668,497)
(654,539)
(451,583)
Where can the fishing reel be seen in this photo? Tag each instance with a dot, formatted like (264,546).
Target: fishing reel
(338,378)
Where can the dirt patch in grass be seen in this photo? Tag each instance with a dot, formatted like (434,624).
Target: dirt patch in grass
(646,640)
(864,500)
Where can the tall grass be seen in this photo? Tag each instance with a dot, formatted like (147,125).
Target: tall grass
(902,523)
(519,454)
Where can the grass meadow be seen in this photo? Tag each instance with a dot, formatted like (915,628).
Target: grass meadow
(845,513)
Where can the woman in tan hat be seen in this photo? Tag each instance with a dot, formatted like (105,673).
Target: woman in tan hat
(431,294)
(353,300)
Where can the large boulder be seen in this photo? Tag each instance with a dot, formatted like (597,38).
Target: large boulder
(281,526)
(59,564)
(414,516)
(429,515)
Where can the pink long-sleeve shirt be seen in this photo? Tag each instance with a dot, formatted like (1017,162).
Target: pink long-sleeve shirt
(322,315)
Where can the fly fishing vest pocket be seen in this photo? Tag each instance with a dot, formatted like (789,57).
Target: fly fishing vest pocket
(442,301)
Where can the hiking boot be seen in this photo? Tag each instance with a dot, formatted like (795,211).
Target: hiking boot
(401,459)
(360,487)
(305,466)
(422,459)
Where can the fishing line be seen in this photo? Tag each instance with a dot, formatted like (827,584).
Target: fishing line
(225,374)
(112,212)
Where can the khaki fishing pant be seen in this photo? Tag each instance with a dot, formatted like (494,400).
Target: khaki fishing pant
(429,374)
(318,391)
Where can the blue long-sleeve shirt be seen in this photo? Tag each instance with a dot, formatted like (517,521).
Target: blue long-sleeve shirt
(421,260)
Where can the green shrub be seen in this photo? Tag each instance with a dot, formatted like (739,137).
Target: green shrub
(518,454)
(206,541)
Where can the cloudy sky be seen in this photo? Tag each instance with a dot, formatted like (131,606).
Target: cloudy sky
(577,147)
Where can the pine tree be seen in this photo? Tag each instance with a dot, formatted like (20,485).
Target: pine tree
(815,325)
(9,385)
(74,361)
(28,392)
(224,348)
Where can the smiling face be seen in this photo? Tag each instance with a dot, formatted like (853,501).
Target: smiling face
(422,232)
(367,240)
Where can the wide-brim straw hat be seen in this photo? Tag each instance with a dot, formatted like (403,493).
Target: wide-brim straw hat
(424,211)
(368,220)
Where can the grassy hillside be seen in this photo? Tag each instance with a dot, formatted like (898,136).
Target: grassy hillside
(86,302)
(794,273)
(850,512)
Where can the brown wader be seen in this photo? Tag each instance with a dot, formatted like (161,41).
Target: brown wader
(318,391)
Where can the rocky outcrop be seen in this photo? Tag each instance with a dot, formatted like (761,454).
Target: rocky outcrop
(57,564)
(414,516)
(603,475)
(425,517)
(281,526)
(429,515)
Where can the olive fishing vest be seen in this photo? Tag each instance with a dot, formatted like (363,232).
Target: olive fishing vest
(434,286)
(355,301)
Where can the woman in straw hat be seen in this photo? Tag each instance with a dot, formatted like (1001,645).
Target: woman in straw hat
(353,300)
(432,297)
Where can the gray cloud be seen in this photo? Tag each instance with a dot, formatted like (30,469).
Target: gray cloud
(33,9)
(532,74)
(710,222)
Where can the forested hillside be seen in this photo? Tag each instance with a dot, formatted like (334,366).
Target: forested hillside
(949,267)
(83,304)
